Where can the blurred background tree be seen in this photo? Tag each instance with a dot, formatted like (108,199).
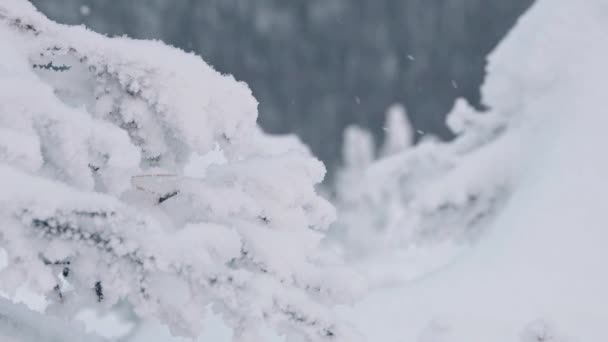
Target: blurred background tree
(317,66)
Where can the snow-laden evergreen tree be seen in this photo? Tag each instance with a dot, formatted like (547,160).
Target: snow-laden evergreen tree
(427,192)
(95,209)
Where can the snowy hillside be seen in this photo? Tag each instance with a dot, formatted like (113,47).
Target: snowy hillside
(540,268)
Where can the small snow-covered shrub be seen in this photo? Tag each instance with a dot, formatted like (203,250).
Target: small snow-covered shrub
(95,135)
(428,192)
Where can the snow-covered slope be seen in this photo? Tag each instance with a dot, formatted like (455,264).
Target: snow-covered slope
(541,268)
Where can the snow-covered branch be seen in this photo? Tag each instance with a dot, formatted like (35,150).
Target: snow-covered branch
(86,121)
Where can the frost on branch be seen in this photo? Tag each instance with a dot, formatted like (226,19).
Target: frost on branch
(430,191)
(95,134)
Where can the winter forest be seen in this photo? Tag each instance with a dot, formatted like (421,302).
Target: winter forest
(332,171)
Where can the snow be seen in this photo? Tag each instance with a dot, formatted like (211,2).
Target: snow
(399,132)
(133,172)
(85,10)
(543,257)
(536,270)
(497,236)
(432,193)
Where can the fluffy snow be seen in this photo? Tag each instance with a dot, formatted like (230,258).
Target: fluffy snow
(498,236)
(133,172)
